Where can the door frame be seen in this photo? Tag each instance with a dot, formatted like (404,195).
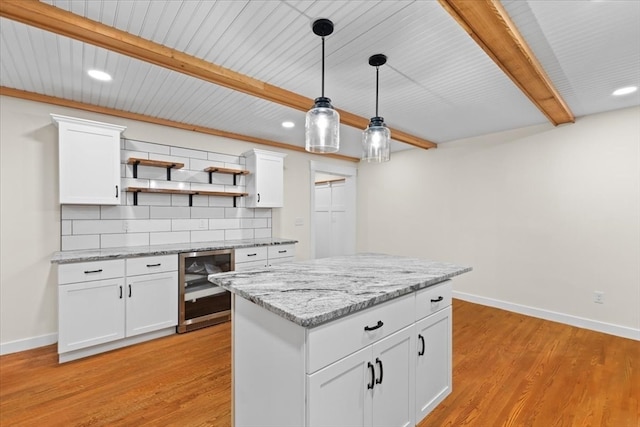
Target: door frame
(350,176)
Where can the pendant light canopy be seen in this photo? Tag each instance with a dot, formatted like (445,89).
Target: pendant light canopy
(322,124)
(376,138)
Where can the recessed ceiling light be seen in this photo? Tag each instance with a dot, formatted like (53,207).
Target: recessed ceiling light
(99,75)
(625,90)
(288,124)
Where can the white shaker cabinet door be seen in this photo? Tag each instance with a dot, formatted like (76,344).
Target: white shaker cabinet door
(89,161)
(339,395)
(434,363)
(90,313)
(393,393)
(152,302)
(265,182)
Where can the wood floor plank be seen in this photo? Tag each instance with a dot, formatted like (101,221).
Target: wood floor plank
(508,370)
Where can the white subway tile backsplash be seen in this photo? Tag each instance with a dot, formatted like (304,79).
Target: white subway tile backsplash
(181,200)
(169,212)
(169,238)
(125,155)
(208,212)
(207,236)
(73,243)
(223,201)
(65,227)
(89,226)
(186,152)
(128,239)
(189,224)
(262,233)
(238,234)
(225,158)
(150,147)
(169,185)
(160,219)
(253,223)
(148,225)
(238,213)
(80,212)
(262,213)
(124,212)
(224,224)
(207,187)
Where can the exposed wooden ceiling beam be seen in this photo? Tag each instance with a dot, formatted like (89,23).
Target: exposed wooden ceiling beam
(488,23)
(15,93)
(59,21)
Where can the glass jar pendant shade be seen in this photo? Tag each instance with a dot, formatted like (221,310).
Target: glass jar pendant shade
(322,123)
(376,138)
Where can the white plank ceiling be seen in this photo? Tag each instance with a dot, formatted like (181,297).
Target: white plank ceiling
(438,84)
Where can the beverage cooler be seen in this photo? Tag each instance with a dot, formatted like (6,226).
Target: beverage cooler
(201,302)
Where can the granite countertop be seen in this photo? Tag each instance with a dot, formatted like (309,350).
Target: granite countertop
(310,293)
(65,257)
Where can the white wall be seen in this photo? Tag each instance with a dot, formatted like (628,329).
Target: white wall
(545,216)
(30,213)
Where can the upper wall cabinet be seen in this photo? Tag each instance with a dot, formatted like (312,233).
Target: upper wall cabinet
(89,161)
(265,182)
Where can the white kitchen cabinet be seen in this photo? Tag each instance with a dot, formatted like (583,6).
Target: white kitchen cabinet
(101,307)
(434,362)
(89,161)
(152,298)
(258,257)
(372,387)
(90,313)
(265,182)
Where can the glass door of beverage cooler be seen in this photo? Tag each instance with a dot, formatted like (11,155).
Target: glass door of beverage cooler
(201,302)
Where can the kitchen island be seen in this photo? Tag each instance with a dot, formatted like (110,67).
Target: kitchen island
(357,340)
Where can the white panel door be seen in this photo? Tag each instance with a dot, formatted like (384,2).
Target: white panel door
(330,219)
(394,390)
(433,367)
(339,395)
(90,313)
(152,302)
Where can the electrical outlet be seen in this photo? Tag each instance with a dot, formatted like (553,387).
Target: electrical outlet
(598,297)
(299,221)
(125,226)
(203,224)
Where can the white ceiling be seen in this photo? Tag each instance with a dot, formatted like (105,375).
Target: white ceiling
(438,84)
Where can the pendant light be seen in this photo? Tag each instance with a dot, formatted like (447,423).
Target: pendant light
(322,124)
(376,138)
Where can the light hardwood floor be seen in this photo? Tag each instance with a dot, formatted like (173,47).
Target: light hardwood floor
(509,370)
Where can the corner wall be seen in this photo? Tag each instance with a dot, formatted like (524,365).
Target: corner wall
(30,224)
(545,216)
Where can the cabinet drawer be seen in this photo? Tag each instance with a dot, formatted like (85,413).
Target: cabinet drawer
(330,342)
(255,253)
(89,271)
(152,264)
(432,299)
(251,265)
(281,251)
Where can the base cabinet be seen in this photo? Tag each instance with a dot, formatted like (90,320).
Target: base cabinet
(104,305)
(433,367)
(90,313)
(372,387)
(386,366)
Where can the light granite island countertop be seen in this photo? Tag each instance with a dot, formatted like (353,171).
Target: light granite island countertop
(355,340)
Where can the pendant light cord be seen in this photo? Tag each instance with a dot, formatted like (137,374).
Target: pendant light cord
(377,79)
(323,66)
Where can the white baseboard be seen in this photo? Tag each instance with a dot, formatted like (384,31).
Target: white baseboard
(27,343)
(567,319)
